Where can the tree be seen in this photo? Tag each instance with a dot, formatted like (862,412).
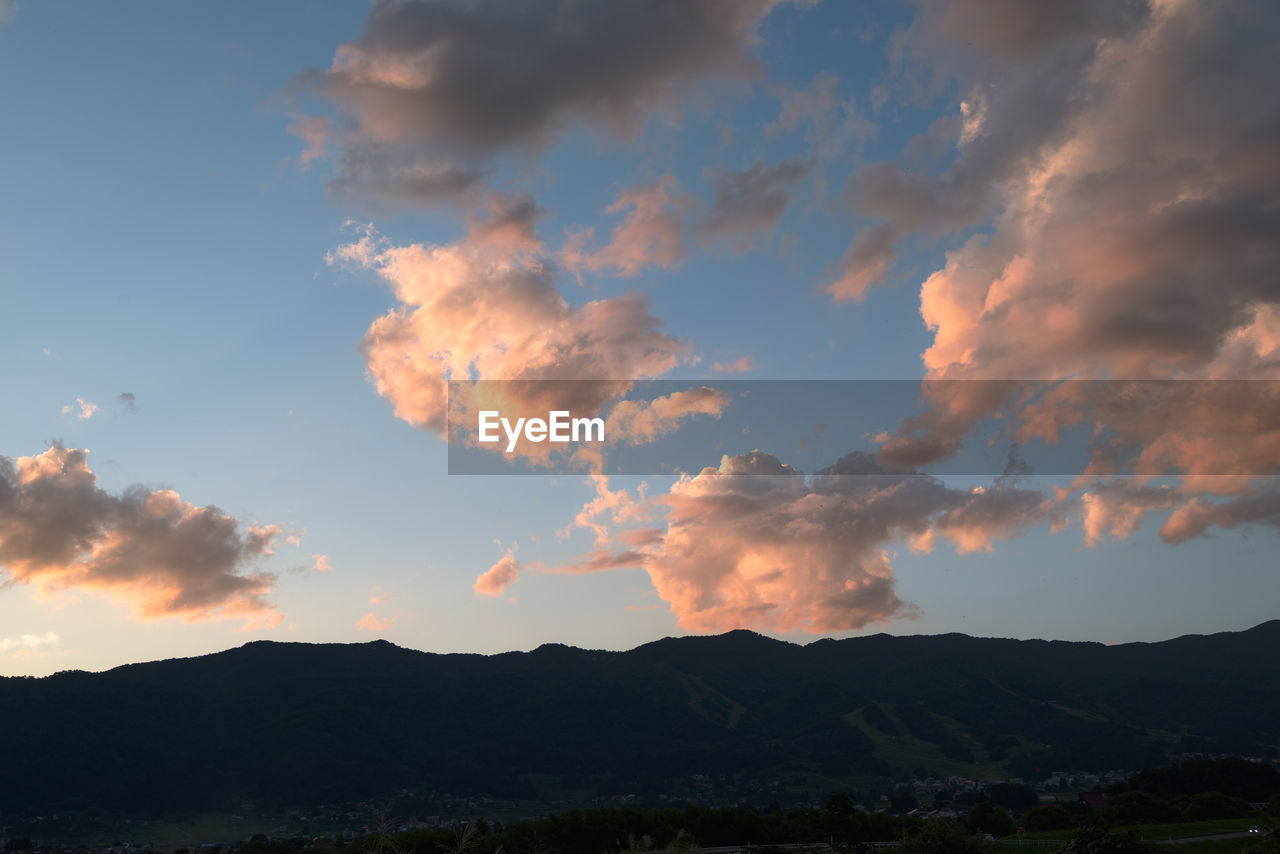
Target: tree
(984,818)
(1048,817)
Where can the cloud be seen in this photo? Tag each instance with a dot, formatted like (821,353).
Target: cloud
(864,263)
(1134,199)
(314,132)
(754,543)
(650,235)
(639,422)
(494,581)
(1023,73)
(487,307)
(1132,208)
(83,409)
(745,209)
(148,548)
(322,564)
(439,88)
(29,642)
(742,365)
(747,205)
(372,623)
(128,400)
(833,123)
(8,11)
(1194,518)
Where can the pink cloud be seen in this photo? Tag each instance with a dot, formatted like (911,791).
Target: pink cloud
(642,421)
(742,365)
(754,543)
(494,581)
(488,306)
(83,409)
(650,235)
(372,623)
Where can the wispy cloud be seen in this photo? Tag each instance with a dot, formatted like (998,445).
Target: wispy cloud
(370,622)
(82,408)
(29,642)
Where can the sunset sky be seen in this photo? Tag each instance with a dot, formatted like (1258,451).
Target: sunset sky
(245,245)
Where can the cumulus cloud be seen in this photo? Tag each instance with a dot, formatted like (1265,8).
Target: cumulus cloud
(1133,204)
(1022,72)
(82,408)
(322,564)
(1136,203)
(495,580)
(438,88)
(148,548)
(487,307)
(755,543)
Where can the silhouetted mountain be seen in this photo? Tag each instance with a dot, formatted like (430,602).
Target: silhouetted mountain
(302,723)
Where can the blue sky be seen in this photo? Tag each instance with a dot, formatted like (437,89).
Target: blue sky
(162,238)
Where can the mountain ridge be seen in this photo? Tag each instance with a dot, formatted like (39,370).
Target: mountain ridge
(288,722)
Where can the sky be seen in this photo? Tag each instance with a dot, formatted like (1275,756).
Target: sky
(247,247)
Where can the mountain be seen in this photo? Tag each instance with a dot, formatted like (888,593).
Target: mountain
(291,723)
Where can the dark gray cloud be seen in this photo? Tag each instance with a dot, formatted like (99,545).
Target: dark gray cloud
(163,556)
(430,91)
(747,204)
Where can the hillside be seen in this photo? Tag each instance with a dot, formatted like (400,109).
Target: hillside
(301,723)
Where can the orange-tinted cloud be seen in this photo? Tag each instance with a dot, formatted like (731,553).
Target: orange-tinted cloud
(754,543)
(148,548)
(83,409)
(741,365)
(745,209)
(370,622)
(488,307)
(639,422)
(1132,201)
(496,579)
(650,235)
